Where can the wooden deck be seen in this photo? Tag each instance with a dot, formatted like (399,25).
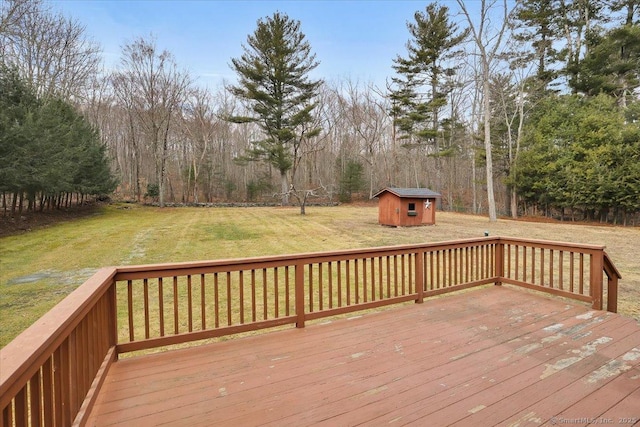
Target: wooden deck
(489,356)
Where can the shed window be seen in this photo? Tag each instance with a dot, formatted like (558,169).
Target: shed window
(412,210)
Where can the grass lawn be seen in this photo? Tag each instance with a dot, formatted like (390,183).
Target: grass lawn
(39,268)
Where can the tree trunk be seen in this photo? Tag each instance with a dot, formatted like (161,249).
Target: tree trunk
(514,203)
(487,143)
(284,188)
(14,203)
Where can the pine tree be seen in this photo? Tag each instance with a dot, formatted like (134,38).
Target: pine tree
(46,147)
(273,78)
(534,24)
(421,86)
(17,104)
(613,65)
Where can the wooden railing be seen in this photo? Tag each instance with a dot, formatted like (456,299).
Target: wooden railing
(569,270)
(47,372)
(51,373)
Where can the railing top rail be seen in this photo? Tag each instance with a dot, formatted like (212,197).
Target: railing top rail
(124,272)
(29,350)
(551,243)
(292,258)
(608,263)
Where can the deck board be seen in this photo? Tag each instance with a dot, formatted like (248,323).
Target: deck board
(490,356)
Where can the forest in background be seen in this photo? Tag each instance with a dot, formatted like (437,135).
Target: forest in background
(537,114)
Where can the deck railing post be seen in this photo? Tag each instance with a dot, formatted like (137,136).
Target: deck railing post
(612,284)
(595,278)
(113,316)
(299,285)
(612,294)
(419,279)
(499,263)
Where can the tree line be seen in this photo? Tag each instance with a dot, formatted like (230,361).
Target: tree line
(508,109)
(50,154)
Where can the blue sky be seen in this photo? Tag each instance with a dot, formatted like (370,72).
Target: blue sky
(356,39)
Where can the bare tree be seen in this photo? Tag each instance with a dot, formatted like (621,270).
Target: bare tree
(511,99)
(199,126)
(489,46)
(49,50)
(12,12)
(367,118)
(155,90)
(123,90)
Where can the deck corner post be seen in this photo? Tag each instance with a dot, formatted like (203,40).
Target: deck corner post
(596,276)
(299,293)
(499,265)
(419,279)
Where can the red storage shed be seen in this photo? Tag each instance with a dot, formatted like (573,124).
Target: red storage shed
(406,207)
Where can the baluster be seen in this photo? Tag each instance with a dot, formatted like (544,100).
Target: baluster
(364,279)
(311,288)
(146,307)
(330,273)
(190,302)
(229,301)
(380,287)
(241,295)
(130,309)
(561,269)
(276,294)
(253,295)
(35,399)
(48,388)
(581,278)
(320,287)
(533,265)
(348,277)
(287,291)
(176,317)
(551,269)
(357,281)
(161,306)
(339,284)
(265,295)
(203,303)
(216,300)
(571,271)
(402,268)
(541,266)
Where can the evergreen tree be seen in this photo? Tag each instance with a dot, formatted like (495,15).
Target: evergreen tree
(577,20)
(17,105)
(631,9)
(351,179)
(534,24)
(613,65)
(421,87)
(273,78)
(46,147)
(581,154)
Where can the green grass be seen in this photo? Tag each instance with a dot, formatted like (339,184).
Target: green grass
(39,268)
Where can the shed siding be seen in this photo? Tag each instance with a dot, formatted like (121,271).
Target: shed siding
(405,219)
(429,211)
(388,210)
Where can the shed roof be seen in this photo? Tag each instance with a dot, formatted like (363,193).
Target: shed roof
(413,193)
